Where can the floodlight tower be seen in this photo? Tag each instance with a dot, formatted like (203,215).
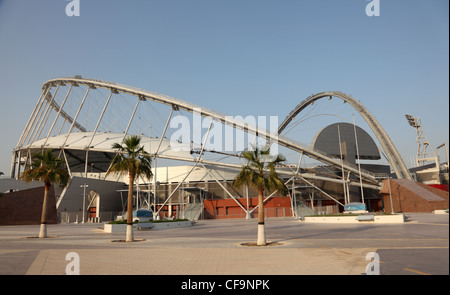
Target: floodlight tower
(424,152)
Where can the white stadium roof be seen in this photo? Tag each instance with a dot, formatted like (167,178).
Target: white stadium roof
(103,142)
(100,149)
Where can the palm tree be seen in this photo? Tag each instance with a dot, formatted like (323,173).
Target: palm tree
(50,170)
(260,173)
(131,159)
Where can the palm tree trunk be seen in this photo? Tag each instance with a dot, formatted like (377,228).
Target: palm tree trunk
(130,237)
(43,229)
(261,241)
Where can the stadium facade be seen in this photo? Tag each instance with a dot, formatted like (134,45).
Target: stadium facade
(80,119)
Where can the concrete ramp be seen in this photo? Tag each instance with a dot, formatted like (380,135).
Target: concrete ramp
(410,196)
(420,191)
(193,211)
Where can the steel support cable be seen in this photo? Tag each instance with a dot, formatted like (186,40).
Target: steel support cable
(205,112)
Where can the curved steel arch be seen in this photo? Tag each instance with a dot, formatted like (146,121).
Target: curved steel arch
(391,152)
(178,104)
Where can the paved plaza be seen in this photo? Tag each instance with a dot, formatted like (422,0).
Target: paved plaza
(213,247)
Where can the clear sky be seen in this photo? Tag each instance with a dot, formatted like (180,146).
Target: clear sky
(239,57)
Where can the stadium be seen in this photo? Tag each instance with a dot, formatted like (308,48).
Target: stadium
(195,156)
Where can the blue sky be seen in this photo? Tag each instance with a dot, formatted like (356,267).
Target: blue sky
(238,57)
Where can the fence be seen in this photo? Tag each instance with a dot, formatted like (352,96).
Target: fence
(233,212)
(77,216)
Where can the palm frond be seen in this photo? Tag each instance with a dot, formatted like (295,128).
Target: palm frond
(47,168)
(131,159)
(260,173)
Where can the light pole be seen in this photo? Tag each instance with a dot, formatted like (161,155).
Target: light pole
(84,186)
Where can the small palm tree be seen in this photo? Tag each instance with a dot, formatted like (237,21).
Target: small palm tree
(50,170)
(131,159)
(260,173)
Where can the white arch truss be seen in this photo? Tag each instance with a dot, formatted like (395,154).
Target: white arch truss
(33,128)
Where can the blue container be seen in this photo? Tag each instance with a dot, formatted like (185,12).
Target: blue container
(355,206)
(143,213)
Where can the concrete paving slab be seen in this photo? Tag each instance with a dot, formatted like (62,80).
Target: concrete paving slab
(212,247)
